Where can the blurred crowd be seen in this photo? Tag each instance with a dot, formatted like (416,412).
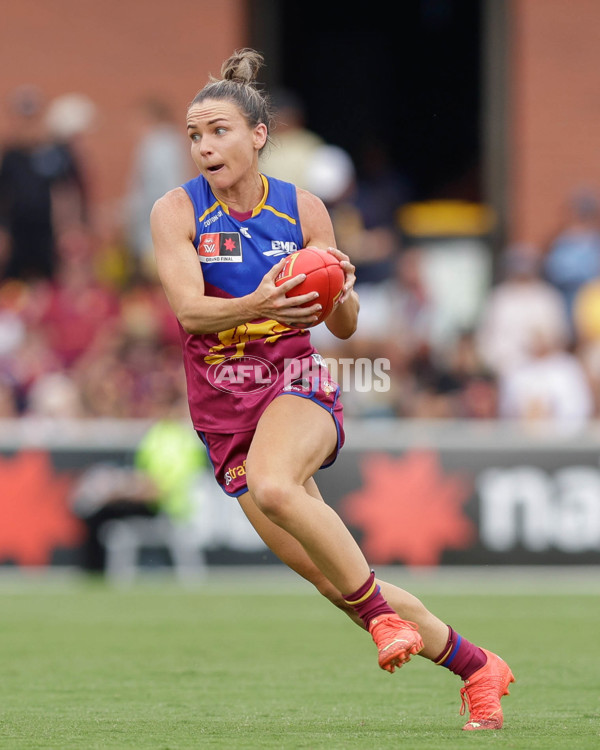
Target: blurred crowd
(85,330)
(462,331)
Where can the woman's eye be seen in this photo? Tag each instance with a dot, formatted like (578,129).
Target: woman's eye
(195,137)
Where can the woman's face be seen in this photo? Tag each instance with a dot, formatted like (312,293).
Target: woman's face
(224,147)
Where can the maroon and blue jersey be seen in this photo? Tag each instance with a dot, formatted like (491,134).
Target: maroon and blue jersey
(232,375)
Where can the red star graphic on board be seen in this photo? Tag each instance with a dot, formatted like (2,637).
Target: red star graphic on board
(229,245)
(408,510)
(34,513)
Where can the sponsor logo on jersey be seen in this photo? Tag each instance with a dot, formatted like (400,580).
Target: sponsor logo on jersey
(235,471)
(280,247)
(220,247)
(212,219)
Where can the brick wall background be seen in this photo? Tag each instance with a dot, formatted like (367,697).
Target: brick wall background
(116,52)
(554,105)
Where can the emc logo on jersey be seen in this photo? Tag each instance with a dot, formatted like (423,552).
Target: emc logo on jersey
(281,247)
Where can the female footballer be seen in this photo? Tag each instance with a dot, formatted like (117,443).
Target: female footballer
(216,241)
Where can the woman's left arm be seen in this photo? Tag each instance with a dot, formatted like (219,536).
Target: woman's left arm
(317,231)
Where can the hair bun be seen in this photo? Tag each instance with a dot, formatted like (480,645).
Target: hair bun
(242,66)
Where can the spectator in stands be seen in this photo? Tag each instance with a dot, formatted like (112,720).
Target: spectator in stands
(161,161)
(473,388)
(381,188)
(12,323)
(292,144)
(33,166)
(31,361)
(54,395)
(518,309)
(573,256)
(374,250)
(586,326)
(9,405)
(75,309)
(406,334)
(551,387)
(454,384)
(70,119)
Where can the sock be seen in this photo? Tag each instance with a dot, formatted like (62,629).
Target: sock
(368,601)
(460,656)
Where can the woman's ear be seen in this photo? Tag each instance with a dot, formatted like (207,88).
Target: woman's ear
(260,135)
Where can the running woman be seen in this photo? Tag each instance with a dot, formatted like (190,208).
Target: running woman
(218,241)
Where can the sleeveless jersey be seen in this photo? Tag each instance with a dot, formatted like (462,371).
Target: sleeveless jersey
(232,375)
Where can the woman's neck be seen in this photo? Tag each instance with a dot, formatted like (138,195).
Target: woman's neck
(243,198)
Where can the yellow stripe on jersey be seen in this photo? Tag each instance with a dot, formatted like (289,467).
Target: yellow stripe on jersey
(281,216)
(256,210)
(209,210)
(263,204)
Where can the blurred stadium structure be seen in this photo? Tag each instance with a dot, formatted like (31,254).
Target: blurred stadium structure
(488,256)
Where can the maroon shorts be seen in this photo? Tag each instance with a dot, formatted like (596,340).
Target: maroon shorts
(228,452)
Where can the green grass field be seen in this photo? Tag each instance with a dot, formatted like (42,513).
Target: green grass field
(248,663)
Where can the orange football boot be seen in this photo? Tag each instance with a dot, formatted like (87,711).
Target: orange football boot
(396,640)
(482,693)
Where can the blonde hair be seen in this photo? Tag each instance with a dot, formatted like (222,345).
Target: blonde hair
(238,85)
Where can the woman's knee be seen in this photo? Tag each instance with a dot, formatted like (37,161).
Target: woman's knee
(271,494)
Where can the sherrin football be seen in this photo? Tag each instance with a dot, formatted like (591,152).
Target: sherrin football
(324,274)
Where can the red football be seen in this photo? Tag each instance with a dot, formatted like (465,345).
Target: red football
(324,274)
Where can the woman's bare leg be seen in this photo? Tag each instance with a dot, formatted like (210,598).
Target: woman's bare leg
(293,439)
(433,631)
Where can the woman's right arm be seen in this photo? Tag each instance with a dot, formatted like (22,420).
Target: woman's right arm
(172,222)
